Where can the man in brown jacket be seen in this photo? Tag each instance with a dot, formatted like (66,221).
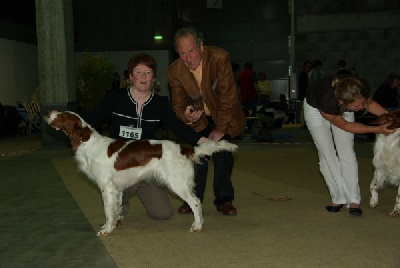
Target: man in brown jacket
(206,71)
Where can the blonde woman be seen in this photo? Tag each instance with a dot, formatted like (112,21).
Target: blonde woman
(329,114)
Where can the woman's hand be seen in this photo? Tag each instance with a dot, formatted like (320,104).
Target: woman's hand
(384,129)
(191,115)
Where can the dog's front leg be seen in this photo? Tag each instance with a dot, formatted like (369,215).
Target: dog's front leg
(373,202)
(396,210)
(110,202)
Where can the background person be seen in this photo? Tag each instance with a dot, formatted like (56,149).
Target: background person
(207,70)
(341,66)
(315,72)
(302,81)
(248,92)
(386,94)
(329,113)
(264,88)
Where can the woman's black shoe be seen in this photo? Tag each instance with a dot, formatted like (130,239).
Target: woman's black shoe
(334,208)
(355,211)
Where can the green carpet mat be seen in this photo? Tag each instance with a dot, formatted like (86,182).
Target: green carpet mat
(41,224)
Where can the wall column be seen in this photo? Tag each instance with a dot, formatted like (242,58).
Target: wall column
(56,58)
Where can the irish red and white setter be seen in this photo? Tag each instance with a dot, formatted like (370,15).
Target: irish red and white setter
(114,165)
(387,160)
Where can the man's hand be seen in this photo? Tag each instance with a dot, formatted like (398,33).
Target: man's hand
(191,116)
(215,135)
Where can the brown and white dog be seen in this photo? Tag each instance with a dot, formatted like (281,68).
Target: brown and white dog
(114,165)
(387,160)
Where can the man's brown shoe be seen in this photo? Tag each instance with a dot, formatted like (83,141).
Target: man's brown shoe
(227,209)
(184,209)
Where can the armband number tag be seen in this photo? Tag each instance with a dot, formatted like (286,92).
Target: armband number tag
(130,132)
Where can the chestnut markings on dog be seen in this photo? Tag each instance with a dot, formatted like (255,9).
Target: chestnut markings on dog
(115,147)
(137,153)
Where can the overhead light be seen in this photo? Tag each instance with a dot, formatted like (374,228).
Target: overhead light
(158,37)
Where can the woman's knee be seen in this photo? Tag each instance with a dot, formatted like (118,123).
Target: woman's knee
(160,214)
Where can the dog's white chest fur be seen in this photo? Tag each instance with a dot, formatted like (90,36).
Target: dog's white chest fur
(387,168)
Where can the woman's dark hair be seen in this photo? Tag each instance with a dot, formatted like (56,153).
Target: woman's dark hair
(142,58)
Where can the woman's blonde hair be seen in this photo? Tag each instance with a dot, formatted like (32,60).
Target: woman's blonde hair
(349,90)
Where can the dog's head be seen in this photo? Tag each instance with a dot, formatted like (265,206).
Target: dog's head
(392,118)
(72,124)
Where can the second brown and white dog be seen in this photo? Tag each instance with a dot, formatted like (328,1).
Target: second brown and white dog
(387,160)
(114,165)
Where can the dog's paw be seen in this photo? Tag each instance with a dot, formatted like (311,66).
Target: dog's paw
(196,227)
(373,203)
(101,233)
(106,230)
(395,213)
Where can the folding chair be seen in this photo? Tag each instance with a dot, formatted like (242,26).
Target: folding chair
(34,118)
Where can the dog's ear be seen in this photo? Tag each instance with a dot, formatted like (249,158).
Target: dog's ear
(79,135)
(393,117)
(380,120)
(75,136)
(85,134)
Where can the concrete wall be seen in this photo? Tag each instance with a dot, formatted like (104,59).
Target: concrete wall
(253,30)
(19,74)
(365,33)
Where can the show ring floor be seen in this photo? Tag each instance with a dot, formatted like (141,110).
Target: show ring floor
(51,213)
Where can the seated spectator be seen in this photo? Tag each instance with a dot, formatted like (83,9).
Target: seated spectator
(284,106)
(280,110)
(386,94)
(264,88)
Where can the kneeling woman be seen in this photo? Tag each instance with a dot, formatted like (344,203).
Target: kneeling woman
(329,114)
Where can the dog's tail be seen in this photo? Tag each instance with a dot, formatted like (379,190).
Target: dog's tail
(210,147)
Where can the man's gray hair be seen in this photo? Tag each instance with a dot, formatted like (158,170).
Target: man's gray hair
(184,32)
